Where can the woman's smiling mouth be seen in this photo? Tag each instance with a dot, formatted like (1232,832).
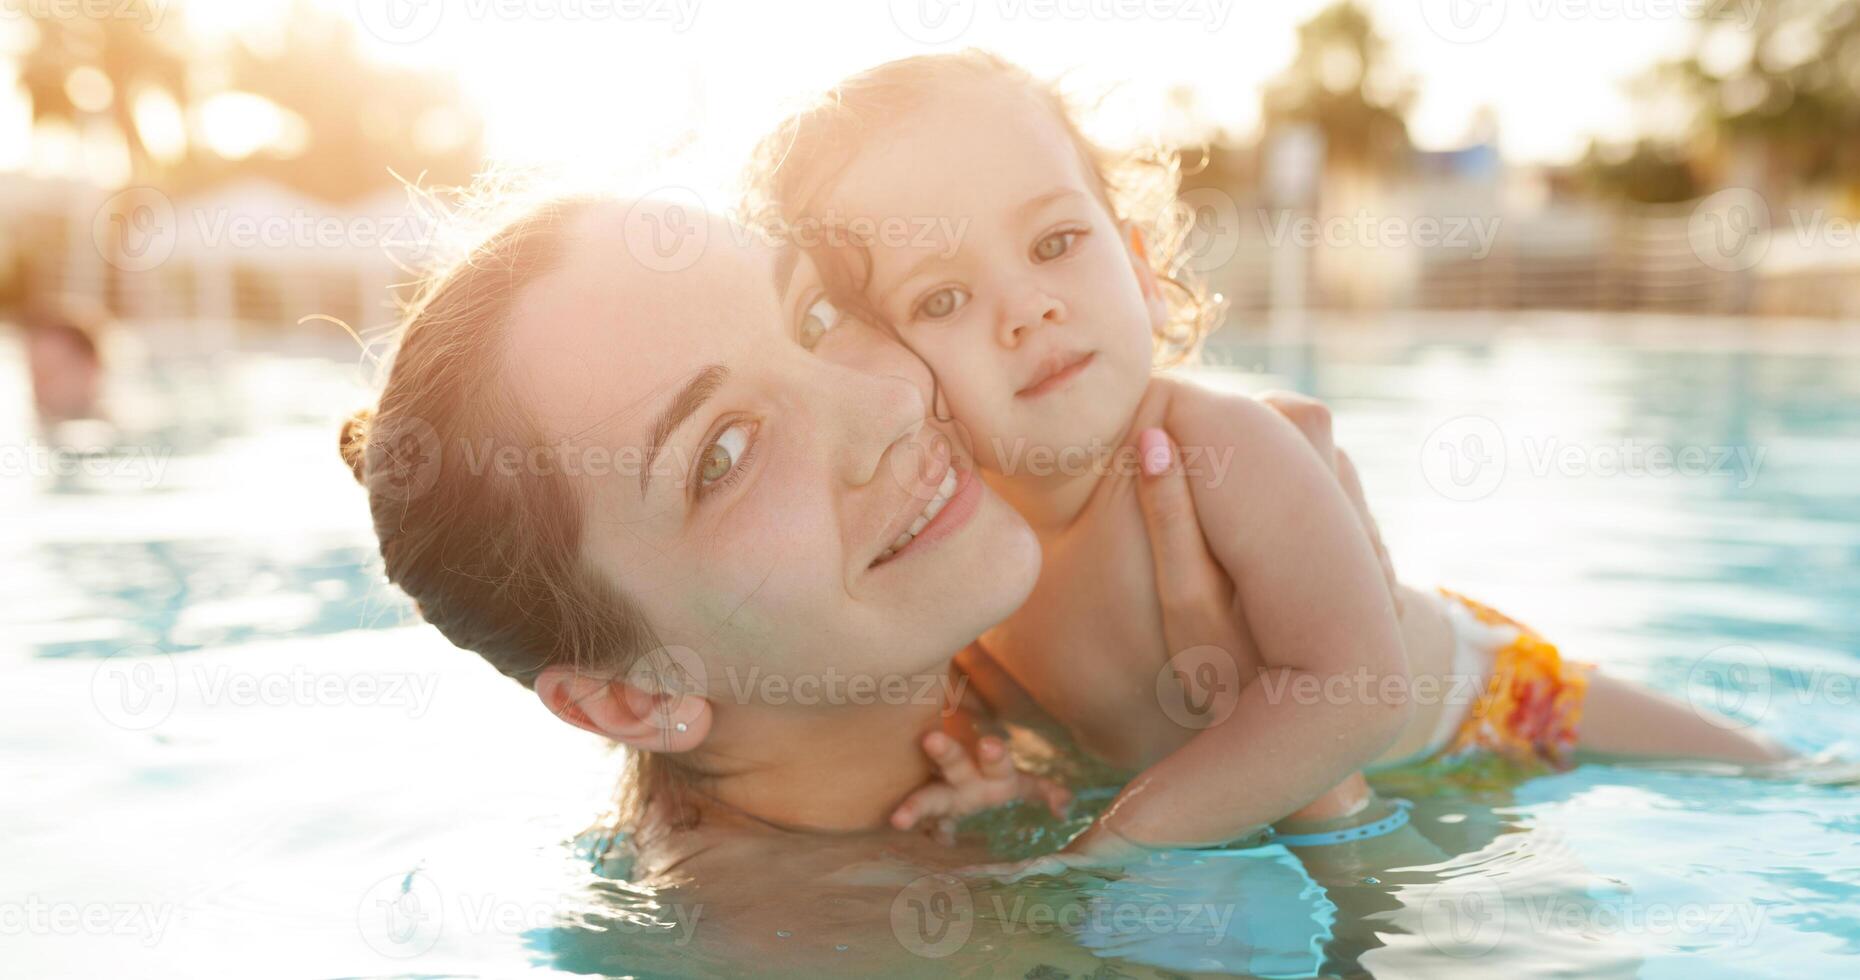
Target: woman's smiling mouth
(944,491)
(954,501)
(1054,372)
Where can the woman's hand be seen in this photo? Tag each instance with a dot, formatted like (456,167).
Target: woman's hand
(1197,598)
(1312,418)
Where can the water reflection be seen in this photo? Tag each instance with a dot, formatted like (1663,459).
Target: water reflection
(253,547)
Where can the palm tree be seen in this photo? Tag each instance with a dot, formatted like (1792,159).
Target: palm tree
(135,49)
(1787,98)
(1341,82)
(366,121)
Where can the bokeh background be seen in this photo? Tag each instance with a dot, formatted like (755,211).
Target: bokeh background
(1661,155)
(1580,280)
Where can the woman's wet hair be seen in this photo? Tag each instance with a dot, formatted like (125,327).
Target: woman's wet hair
(493,558)
(795,167)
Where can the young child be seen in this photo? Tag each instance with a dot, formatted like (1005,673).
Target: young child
(1042,317)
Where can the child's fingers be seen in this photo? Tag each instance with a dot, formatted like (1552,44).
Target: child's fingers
(950,759)
(1057,797)
(996,763)
(932,801)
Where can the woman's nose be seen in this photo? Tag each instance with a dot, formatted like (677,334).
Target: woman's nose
(872,413)
(1031,310)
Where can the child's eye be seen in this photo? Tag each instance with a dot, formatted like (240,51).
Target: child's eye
(721,459)
(942,303)
(1054,245)
(817,322)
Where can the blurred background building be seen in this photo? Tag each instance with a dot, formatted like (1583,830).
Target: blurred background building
(241,167)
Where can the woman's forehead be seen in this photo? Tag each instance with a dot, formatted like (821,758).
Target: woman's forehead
(628,313)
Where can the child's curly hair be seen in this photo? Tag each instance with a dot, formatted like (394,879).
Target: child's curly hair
(792,167)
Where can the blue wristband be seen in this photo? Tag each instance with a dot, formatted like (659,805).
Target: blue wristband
(1375,828)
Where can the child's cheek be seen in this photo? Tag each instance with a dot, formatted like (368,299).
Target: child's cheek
(969,367)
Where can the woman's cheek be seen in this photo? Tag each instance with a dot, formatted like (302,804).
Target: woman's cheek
(780,537)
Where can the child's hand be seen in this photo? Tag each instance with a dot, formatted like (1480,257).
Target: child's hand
(970,786)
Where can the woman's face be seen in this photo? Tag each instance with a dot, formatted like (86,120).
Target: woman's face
(761,533)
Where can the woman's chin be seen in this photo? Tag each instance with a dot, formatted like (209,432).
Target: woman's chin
(1010,559)
(966,583)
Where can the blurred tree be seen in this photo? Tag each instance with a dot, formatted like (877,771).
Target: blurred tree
(1220,160)
(81,68)
(346,120)
(1650,172)
(359,118)
(1777,101)
(1342,81)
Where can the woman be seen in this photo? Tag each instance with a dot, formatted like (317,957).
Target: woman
(582,464)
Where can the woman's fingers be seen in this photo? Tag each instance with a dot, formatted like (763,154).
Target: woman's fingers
(1186,572)
(1193,589)
(1353,488)
(1312,418)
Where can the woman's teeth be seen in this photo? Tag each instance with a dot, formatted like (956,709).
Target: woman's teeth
(943,492)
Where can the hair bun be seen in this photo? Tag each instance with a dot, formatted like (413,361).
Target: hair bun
(354,441)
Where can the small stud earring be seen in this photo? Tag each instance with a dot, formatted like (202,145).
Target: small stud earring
(681,726)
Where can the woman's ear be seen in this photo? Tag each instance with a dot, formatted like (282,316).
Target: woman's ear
(625,712)
(1153,298)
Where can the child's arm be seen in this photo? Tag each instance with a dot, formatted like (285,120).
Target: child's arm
(1312,592)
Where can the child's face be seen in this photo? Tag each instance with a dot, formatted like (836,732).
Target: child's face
(1001,266)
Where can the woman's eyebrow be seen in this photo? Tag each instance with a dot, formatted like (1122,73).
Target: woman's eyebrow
(683,405)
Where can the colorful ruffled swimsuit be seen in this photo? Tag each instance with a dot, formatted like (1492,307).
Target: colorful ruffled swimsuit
(1530,697)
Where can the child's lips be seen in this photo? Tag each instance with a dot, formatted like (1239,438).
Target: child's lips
(1055,371)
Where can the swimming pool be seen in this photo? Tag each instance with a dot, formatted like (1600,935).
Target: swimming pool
(230,749)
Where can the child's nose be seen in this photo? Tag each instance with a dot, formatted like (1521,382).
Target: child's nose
(1032,310)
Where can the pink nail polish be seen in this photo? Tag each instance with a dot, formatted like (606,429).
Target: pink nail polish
(1154,446)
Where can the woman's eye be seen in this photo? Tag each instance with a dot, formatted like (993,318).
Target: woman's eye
(722,455)
(942,303)
(817,322)
(1054,245)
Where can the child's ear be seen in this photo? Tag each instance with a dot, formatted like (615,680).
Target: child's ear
(625,712)
(1151,284)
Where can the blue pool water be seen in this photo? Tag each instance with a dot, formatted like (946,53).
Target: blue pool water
(229,749)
